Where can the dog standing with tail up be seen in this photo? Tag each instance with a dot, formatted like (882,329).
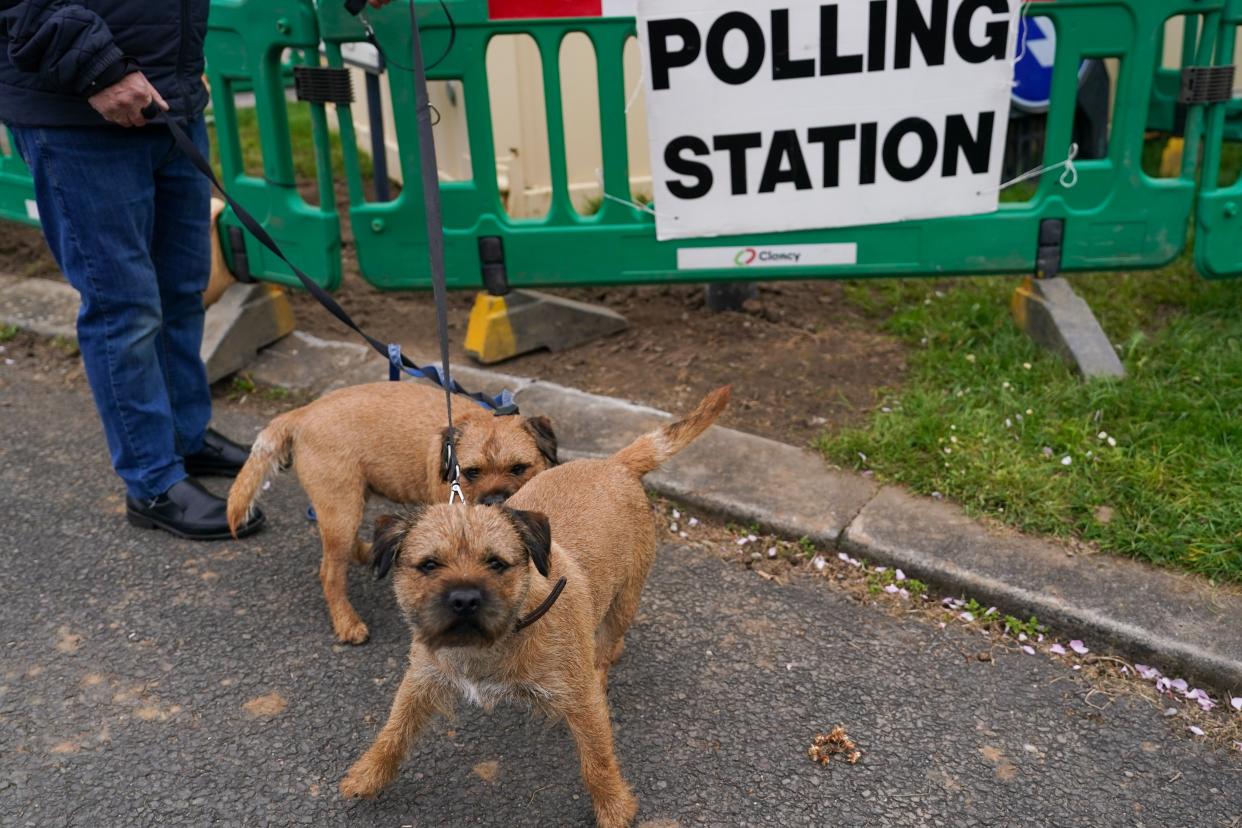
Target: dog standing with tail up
(476,585)
(386,438)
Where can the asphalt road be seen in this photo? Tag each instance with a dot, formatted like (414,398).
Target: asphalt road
(149,681)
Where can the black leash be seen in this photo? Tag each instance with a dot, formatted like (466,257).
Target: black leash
(500,405)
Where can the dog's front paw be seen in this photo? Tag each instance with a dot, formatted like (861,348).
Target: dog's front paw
(352,632)
(618,812)
(366,778)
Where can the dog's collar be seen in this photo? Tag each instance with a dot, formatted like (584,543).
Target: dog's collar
(539,611)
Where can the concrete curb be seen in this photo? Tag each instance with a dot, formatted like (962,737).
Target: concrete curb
(1174,620)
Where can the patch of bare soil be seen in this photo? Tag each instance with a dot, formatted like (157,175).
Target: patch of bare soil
(800,358)
(24,253)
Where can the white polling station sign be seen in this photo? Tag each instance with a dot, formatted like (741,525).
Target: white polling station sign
(775,115)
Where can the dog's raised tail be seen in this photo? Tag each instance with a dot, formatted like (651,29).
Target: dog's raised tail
(271,450)
(650,451)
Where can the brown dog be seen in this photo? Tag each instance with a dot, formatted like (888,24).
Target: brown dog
(463,580)
(387,438)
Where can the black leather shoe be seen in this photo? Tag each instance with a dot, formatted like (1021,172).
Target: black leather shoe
(219,457)
(189,511)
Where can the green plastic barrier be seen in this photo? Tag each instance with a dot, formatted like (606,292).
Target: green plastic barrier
(246,44)
(1116,216)
(16,190)
(1166,114)
(1218,223)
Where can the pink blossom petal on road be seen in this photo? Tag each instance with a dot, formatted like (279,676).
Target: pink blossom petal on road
(1236,702)
(1179,685)
(899,575)
(942,625)
(1028,649)
(903,592)
(890,589)
(1057,649)
(1022,636)
(1198,731)
(1162,684)
(841,556)
(771,551)
(1206,703)
(819,563)
(881,569)
(991,611)
(1170,712)
(967,616)
(1077,667)
(1078,647)
(1148,673)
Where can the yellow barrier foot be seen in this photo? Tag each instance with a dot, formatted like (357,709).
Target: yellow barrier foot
(502,327)
(1058,319)
(1171,158)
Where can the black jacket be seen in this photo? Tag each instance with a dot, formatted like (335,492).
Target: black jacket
(54,54)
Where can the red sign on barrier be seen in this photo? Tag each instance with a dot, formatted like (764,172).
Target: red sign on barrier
(515,9)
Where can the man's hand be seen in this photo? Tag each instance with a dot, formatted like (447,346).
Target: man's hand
(122,102)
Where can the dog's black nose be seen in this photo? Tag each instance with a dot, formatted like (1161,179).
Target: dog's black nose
(465,601)
(493,499)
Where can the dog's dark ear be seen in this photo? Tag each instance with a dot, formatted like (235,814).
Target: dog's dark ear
(545,438)
(536,535)
(447,436)
(390,532)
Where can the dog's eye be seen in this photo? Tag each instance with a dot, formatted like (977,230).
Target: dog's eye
(472,474)
(519,469)
(427,567)
(497,565)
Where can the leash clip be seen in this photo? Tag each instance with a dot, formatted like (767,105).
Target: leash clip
(450,461)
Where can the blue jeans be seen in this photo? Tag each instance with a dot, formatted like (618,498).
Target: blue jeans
(128,220)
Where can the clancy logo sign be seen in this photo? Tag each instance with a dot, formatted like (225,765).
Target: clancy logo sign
(777,255)
(768,255)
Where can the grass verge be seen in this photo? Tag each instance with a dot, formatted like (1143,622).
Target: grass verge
(1150,466)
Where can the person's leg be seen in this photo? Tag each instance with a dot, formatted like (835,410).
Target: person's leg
(96,196)
(181,252)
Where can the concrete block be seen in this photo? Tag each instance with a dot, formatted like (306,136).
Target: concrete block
(244,320)
(1058,319)
(502,327)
